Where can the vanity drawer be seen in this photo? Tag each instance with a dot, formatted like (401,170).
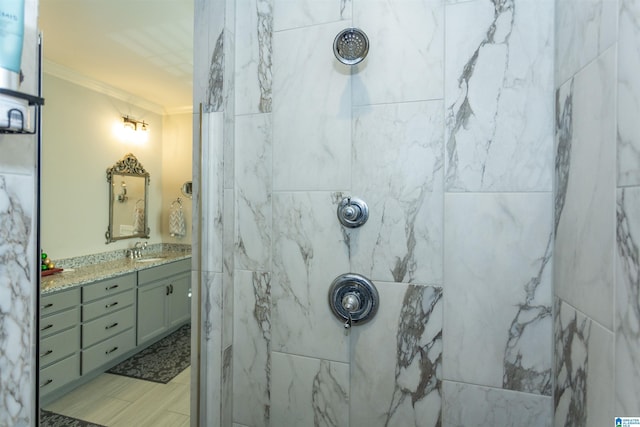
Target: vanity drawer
(57,346)
(104,352)
(107,305)
(59,301)
(108,287)
(107,326)
(59,374)
(59,321)
(164,271)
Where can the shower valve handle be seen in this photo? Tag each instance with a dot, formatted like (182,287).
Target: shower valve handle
(352,212)
(351,303)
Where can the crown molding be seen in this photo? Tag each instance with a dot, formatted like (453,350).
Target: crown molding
(180,110)
(72,76)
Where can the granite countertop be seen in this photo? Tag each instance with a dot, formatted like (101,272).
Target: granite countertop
(77,276)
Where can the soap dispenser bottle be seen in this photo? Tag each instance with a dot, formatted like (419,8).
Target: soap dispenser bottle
(11,42)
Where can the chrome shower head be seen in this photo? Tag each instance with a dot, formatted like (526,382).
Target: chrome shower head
(351,46)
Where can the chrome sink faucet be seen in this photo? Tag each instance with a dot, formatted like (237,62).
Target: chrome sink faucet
(136,252)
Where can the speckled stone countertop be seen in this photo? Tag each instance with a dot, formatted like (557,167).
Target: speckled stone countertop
(82,275)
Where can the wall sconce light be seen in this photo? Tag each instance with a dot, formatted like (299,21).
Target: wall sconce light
(135,130)
(134,125)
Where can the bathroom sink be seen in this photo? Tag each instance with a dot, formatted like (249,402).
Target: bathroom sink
(150,259)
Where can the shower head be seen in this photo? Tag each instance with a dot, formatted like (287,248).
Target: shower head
(351,46)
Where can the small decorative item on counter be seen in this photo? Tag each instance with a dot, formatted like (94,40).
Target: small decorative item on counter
(47,266)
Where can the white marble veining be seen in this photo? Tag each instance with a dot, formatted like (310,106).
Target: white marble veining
(253,192)
(499,96)
(290,14)
(228,266)
(215,88)
(583,392)
(472,405)
(585,199)
(498,244)
(629,93)
(211,351)
(252,344)
(253,64)
(226,386)
(398,171)
(311,112)
(211,186)
(228,152)
(17,300)
(406,51)
(209,26)
(401,384)
(309,252)
(627,294)
(309,392)
(583,30)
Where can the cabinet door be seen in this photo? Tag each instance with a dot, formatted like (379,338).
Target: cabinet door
(152,300)
(179,300)
(59,374)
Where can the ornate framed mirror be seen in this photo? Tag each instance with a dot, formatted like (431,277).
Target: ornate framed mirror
(128,200)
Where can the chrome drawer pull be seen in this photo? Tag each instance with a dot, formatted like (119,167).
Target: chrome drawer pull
(47,327)
(46,353)
(47,382)
(111,305)
(111,351)
(46,306)
(108,288)
(111,326)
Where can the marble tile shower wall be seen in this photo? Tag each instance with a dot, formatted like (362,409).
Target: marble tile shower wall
(214,41)
(596,212)
(627,265)
(446,130)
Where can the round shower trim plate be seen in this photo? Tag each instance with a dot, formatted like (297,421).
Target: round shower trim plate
(351,46)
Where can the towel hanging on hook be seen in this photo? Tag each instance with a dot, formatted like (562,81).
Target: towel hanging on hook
(178,202)
(177,225)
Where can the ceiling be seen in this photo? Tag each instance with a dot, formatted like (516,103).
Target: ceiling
(141,47)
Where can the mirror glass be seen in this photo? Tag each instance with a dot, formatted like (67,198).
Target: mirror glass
(187,189)
(128,198)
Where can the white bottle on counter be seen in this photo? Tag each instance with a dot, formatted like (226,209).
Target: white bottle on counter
(11,41)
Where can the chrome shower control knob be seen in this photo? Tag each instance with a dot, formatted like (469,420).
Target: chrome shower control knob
(351,302)
(353,299)
(352,212)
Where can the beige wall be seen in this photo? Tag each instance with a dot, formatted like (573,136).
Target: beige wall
(176,169)
(80,142)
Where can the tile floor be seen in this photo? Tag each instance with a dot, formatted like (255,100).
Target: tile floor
(117,401)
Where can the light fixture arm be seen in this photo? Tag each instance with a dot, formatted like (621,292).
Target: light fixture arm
(133,124)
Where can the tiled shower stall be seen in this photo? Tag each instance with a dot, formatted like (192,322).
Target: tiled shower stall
(446,130)
(496,143)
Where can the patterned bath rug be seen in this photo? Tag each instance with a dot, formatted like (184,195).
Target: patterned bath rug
(51,419)
(160,362)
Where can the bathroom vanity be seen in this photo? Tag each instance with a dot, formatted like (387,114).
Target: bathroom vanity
(94,317)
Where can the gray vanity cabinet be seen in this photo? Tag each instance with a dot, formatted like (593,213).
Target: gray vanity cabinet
(108,319)
(87,329)
(59,340)
(163,299)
